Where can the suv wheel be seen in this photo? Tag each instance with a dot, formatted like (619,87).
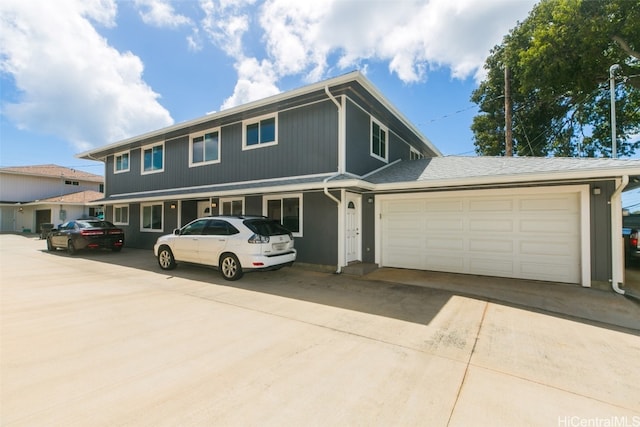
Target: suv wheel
(166,259)
(230,267)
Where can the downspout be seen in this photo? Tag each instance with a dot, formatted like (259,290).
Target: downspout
(616,231)
(340,171)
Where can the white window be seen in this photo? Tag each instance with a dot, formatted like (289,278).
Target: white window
(152,217)
(204,148)
(121,163)
(121,214)
(415,154)
(153,158)
(232,206)
(286,209)
(379,146)
(260,132)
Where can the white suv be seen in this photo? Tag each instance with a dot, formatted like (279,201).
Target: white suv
(232,244)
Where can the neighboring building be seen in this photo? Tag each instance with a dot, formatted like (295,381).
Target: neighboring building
(33,195)
(355,181)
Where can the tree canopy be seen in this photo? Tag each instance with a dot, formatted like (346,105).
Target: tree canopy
(559,60)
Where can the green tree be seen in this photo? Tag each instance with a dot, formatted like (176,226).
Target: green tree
(559,60)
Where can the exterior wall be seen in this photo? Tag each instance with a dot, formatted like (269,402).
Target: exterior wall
(25,220)
(26,188)
(307,144)
(358,136)
(319,244)
(368,228)
(601,231)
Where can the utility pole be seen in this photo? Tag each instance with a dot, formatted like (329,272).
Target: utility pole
(612,90)
(508,121)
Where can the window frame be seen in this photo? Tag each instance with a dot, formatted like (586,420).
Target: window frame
(384,129)
(224,200)
(192,136)
(415,154)
(152,230)
(114,214)
(281,197)
(151,147)
(115,162)
(259,120)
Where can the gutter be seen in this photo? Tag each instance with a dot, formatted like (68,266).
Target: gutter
(616,232)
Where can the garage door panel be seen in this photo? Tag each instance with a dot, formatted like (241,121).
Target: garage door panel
(449,206)
(491,205)
(444,263)
(491,245)
(489,225)
(548,271)
(551,226)
(565,202)
(445,243)
(529,236)
(492,266)
(548,247)
(443,224)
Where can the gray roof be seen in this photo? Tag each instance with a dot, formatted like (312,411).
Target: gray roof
(463,169)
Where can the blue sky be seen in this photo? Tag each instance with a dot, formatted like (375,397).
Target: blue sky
(78,74)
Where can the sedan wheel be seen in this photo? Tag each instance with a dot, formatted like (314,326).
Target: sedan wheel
(166,259)
(230,267)
(71,249)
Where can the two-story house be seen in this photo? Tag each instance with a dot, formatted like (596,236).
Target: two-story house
(355,181)
(33,195)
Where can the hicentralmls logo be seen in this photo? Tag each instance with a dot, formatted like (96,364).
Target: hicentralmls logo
(614,421)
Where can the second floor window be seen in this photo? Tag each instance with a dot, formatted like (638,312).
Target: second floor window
(415,154)
(260,132)
(153,159)
(121,163)
(378,141)
(205,148)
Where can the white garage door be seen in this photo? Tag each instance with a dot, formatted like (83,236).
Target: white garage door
(531,235)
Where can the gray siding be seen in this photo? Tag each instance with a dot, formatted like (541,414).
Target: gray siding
(601,231)
(307,144)
(358,134)
(368,228)
(319,244)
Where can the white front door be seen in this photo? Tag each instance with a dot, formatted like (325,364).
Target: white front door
(352,227)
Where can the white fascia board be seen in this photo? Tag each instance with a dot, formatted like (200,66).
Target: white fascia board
(510,179)
(292,188)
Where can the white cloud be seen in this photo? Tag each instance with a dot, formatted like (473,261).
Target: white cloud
(71,82)
(412,36)
(256,80)
(160,13)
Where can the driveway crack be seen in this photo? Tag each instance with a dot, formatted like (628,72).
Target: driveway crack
(466,370)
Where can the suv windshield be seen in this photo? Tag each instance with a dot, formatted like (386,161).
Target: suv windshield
(265,227)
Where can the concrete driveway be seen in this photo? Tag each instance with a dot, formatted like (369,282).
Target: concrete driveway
(109,339)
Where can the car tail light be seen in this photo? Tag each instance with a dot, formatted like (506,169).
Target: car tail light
(256,238)
(633,239)
(91,232)
(115,231)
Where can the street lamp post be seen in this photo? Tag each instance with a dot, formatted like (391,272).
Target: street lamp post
(612,90)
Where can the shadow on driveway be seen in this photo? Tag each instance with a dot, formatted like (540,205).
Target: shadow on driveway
(408,295)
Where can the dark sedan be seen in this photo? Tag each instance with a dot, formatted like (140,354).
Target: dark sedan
(86,234)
